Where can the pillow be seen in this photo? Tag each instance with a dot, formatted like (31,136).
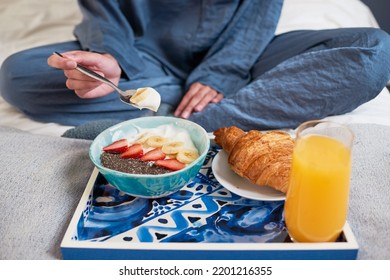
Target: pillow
(324,14)
(29,23)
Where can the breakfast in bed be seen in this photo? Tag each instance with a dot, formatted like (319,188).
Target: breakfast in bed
(227,146)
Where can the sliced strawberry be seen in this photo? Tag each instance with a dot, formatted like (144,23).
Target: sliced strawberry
(171,164)
(153,155)
(134,151)
(118,146)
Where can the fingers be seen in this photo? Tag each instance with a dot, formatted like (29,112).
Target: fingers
(76,84)
(83,85)
(70,59)
(202,99)
(196,99)
(184,109)
(218,98)
(75,74)
(93,92)
(63,63)
(78,81)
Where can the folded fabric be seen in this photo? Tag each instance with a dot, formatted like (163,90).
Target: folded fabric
(41,181)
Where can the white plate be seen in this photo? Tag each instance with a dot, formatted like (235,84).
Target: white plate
(241,186)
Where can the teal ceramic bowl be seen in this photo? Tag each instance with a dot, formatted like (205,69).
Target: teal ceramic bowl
(150,186)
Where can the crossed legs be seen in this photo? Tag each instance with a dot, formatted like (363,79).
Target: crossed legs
(306,75)
(302,75)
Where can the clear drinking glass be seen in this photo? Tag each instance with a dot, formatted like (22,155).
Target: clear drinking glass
(317,199)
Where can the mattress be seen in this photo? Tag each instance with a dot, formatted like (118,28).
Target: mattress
(28,23)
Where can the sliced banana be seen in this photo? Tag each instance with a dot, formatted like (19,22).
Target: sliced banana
(156,141)
(172,148)
(187,156)
(139,95)
(142,137)
(147,98)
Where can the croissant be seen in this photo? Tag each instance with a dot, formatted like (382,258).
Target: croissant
(262,158)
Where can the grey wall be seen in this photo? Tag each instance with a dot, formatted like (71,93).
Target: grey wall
(381,11)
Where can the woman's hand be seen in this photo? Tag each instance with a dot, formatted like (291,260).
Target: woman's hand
(196,99)
(83,85)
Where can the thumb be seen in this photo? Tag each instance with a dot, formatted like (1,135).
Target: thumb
(57,60)
(84,57)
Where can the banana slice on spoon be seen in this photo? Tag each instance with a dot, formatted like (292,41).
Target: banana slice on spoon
(140,98)
(146,97)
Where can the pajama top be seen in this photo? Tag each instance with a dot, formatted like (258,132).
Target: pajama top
(214,42)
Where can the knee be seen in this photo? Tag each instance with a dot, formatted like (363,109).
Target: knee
(381,54)
(385,48)
(372,50)
(380,44)
(380,36)
(11,78)
(21,77)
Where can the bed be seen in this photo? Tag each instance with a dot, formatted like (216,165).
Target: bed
(29,23)
(42,175)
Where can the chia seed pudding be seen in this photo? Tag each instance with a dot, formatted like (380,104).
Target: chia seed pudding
(153,151)
(130,165)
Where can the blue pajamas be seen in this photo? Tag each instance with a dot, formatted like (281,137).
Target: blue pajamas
(306,75)
(268,82)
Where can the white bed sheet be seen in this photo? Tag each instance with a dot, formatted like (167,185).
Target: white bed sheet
(28,23)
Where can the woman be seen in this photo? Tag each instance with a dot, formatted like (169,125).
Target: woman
(217,63)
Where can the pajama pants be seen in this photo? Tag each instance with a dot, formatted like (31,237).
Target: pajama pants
(302,75)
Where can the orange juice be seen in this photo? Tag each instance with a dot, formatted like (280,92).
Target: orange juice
(317,200)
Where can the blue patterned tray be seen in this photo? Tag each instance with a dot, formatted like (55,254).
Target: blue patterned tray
(193,223)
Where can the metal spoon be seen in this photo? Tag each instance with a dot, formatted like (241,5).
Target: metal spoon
(124,95)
